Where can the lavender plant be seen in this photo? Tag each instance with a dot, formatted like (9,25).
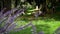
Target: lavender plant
(3,20)
(7,13)
(9,24)
(1,12)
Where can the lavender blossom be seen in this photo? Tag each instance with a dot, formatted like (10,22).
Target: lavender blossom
(2,11)
(8,12)
(8,29)
(10,20)
(7,26)
(19,12)
(11,27)
(3,20)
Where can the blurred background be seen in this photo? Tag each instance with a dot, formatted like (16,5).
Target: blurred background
(44,14)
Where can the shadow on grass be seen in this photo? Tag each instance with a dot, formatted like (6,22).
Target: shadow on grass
(57,17)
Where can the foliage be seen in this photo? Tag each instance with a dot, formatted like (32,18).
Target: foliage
(15,20)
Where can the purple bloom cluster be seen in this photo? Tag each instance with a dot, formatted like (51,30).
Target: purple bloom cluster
(9,24)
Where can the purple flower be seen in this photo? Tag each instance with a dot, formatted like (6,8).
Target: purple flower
(19,11)
(11,27)
(9,24)
(2,11)
(2,20)
(7,12)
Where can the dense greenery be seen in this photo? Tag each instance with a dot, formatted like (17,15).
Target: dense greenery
(16,15)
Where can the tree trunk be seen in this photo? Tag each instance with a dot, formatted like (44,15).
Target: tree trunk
(7,4)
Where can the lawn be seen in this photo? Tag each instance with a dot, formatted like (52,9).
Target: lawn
(46,24)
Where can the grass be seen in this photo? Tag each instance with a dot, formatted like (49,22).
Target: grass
(48,25)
